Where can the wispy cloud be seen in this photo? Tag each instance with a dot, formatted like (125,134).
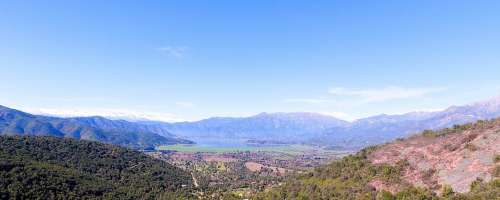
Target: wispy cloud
(185,104)
(384,94)
(339,115)
(131,115)
(305,100)
(174,51)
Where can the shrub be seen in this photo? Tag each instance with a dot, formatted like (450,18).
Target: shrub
(447,191)
(384,195)
(496,172)
(429,133)
(471,147)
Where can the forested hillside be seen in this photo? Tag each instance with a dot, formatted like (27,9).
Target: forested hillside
(14,122)
(462,162)
(55,168)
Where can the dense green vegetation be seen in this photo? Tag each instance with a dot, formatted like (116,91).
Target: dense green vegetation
(55,168)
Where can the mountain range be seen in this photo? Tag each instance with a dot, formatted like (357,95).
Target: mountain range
(120,132)
(306,128)
(384,128)
(312,128)
(287,127)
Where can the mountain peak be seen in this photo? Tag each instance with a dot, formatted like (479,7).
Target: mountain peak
(495,101)
(296,115)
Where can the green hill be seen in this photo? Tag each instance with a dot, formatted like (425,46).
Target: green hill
(54,168)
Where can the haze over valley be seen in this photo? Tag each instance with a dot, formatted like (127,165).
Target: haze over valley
(250,100)
(265,128)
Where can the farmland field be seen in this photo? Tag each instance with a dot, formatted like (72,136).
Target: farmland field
(288,149)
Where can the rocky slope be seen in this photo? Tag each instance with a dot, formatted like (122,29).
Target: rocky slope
(462,162)
(454,157)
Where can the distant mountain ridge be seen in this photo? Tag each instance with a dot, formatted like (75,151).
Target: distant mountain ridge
(312,128)
(275,126)
(384,128)
(118,125)
(14,122)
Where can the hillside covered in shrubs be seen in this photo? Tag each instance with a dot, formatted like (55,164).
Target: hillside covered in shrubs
(55,168)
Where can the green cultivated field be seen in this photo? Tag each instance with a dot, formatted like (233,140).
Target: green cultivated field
(289,149)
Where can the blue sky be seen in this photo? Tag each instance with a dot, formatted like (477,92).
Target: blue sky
(187,60)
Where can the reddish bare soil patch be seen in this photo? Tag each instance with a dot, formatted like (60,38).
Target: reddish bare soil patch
(254,167)
(455,159)
(257,167)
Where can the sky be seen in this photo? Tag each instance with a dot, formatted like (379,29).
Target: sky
(189,60)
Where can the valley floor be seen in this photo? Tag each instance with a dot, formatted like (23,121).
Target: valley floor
(243,172)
